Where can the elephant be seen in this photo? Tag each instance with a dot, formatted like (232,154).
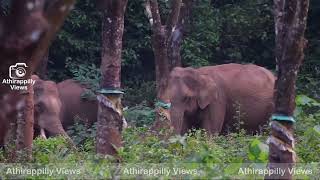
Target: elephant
(47,108)
(74,106)
(216,98)
(58,104)
(55,108)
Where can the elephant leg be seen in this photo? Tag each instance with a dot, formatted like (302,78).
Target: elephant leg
(213,118)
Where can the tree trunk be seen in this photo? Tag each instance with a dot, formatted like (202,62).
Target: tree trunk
(290,25)
(166,42)
(25,123)
(42,69)
(110,115)
(175,41)
(161,35)
(24,38)
(161,60)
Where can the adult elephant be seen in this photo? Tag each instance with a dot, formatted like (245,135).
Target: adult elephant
(78,103)
(47,108)
(217,98)
(56,106)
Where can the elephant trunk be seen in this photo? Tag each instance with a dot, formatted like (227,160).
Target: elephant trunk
(177,120)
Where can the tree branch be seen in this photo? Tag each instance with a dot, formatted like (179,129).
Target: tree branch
(300,19)
(55,15)
(152,10)
(24,25)
(173,17)
(148,12)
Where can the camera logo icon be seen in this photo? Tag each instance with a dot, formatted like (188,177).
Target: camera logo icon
(17,71)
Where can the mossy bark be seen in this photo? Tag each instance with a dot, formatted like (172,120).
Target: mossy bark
(110,122)
(290,25)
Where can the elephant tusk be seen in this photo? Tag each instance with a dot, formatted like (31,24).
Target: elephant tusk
(124,123)
(43,134)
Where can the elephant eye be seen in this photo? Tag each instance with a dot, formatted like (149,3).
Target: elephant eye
(39,108)
(187,99)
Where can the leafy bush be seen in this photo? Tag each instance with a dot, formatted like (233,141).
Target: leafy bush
(308,84)
(307,113)
(308,128)
(140,115)
(140,92)
(89,75)
(52,150)
(215,156)
(308,148)
(258,151)
(83,135)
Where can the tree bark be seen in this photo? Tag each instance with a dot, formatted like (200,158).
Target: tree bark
(161,34)
(290,25)
(109,125)
(25,121)
(42,69)
(25,35)
(110,115)
(178,33)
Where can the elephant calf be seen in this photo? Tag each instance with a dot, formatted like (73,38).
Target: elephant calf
(218,98)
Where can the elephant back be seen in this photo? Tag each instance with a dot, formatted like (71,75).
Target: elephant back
(249,89)
(74,106)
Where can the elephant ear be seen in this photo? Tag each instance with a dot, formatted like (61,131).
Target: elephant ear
(35,77)
(207,92)
(38,87)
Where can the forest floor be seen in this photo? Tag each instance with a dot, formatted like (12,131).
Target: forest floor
(194,155)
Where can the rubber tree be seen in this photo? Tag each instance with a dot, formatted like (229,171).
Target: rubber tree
(164,37)
(110,116)
(25,35)
(161,33)
(290,25)
(178,34)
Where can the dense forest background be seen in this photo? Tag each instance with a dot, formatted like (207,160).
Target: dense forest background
(217,32)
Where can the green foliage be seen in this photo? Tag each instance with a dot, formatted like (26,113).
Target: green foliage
(307,113)
(78,42)
(83,135)
(308,84)
(214,156)
(5,7)
(89,75)
(216,32)
(235,32)
(309,145)
(258,151)
(52,150)
(307,128)
(140,115)
(140,92)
